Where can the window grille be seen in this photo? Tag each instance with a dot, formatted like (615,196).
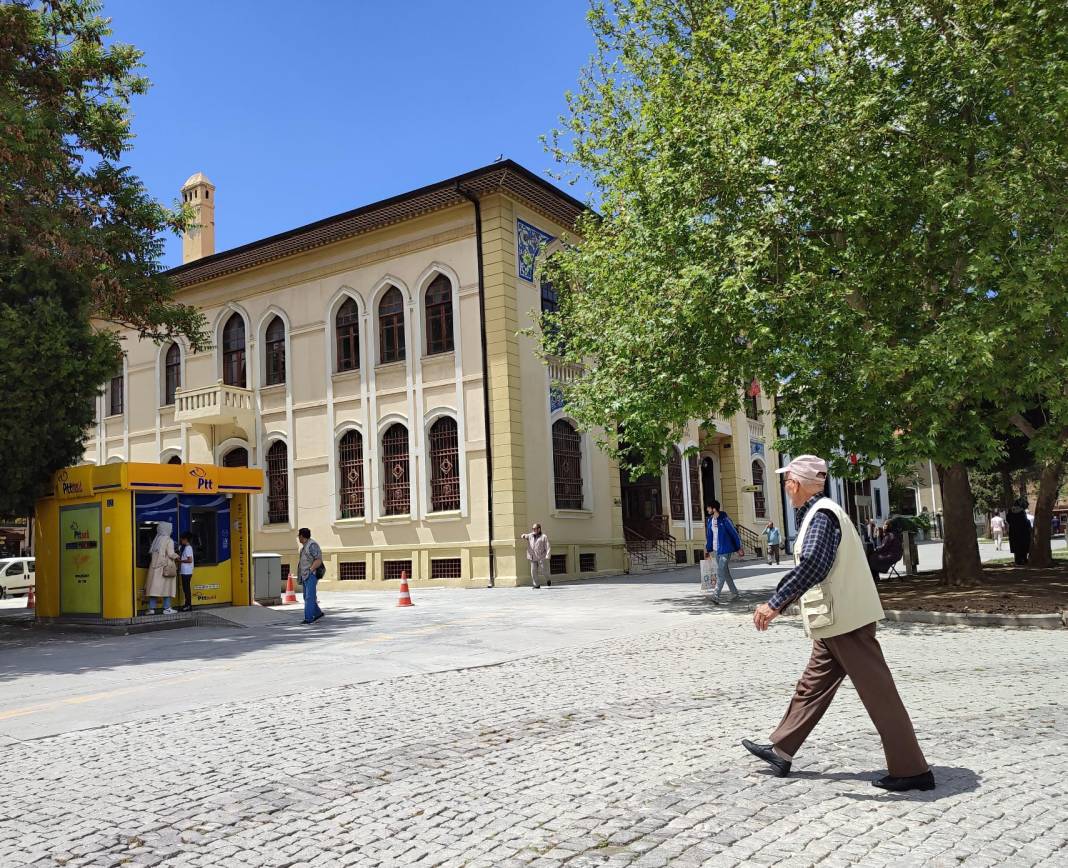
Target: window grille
(759,504)
(444,466)
(115,396)
(285,575)
(675,485)
(396,470)
(352,571)
(234,351)
(350,465)
(680,556)
(587,563)
(439,337)
(236,457)
(276,352)
(172,377)
(695,488)
(444,568)
(557,564)
(391,326)
(567,465)
(698,555)
(278,483)
(393,569)
(347,332)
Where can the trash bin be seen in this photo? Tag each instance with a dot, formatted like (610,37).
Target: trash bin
(266,578)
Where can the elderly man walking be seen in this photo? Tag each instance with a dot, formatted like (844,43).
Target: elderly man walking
(839,609)
(538,552)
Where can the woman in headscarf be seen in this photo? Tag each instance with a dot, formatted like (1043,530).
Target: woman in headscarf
(162,570)
(1019,531)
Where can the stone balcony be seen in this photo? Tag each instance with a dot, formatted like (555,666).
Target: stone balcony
(756,429)
(216,405)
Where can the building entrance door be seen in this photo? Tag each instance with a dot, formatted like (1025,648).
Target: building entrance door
(643,501)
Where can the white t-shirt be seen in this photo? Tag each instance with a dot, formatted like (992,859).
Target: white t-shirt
(997,524)
(187,552)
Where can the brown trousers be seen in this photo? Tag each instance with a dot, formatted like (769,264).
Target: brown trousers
(858,655)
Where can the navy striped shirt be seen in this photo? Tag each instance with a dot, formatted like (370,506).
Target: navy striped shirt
(818,550)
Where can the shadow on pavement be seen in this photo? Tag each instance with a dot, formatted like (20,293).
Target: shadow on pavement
(949,781)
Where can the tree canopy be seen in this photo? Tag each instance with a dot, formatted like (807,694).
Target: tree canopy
(860,204)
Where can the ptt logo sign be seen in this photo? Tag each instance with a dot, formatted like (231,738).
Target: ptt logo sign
(68,487)
(203,481)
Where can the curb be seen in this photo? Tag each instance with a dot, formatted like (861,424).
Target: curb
(1051,621)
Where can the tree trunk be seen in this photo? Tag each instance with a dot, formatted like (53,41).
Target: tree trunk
(1006,492)
(960,546)
(1049,484)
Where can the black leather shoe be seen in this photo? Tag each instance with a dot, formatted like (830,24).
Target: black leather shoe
(925,781)
(779,766)
(317,617)
(306,621)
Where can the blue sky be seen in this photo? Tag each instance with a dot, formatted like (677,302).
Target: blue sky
(297,111)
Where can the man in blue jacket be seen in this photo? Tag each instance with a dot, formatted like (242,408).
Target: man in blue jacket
(721,541)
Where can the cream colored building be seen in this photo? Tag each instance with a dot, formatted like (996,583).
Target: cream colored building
(354,360)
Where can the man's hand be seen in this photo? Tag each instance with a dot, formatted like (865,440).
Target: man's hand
(764,615)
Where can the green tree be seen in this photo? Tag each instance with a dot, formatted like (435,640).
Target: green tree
(80,239)
(858,203)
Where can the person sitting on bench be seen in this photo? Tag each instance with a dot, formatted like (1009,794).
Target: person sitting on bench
(887,553)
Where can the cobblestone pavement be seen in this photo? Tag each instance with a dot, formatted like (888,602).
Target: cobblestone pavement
(622,752)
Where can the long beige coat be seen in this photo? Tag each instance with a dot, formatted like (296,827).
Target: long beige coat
(158,585)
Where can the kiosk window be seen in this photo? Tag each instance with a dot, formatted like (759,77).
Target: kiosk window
(146,532)
(203,526)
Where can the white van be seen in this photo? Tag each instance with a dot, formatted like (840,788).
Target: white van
(17,575)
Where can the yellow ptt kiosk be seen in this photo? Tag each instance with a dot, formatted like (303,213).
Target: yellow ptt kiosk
(94,531)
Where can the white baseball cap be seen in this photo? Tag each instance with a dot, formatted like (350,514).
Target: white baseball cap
(806,467)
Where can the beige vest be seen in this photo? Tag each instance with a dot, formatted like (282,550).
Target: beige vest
(847,598)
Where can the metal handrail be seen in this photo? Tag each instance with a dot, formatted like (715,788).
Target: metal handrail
(751,540)
(640,544)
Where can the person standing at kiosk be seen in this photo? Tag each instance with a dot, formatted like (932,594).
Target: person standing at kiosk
(161,570)
(185,569)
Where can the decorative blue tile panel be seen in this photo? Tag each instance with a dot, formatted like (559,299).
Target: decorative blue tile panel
(556,399)
(531,240)
(756,447)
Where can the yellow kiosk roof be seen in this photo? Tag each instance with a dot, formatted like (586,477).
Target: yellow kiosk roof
(87,480)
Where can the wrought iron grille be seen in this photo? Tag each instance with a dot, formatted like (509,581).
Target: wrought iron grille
(278,483)
(759,504)
(236,457)
(350,464)
(680,556)
(675,485)
(393,569)
(444,568)
(695,488)
(444,466)
(439,316)
(173,376)
(276,352)
(557,565)
(396,470)
(698,555)
(352,571)
(567,465)
(587,562)
(391,325)
(347,332)
(234,351)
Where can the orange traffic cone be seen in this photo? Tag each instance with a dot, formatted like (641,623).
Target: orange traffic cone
(405,595)
(290,596)
(31,600)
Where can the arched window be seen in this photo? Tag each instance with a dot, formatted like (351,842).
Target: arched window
(396,472)
(350,464)
(695,489)
(391,326)
(675,485)
(172,374)
(439,316)
(275,350)
(567,465)
(347,333)
(236,457)
(233,347)
(444,466)
(278,483)
(760,509)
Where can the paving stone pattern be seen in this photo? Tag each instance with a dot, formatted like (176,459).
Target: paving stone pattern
(622,753)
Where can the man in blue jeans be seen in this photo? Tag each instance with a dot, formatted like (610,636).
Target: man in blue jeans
(311,570)
(721,541)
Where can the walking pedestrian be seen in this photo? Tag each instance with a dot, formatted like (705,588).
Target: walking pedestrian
(997,530)
(185,569)
(538,552)
(1019,532)
(839,611)
(311,569)
(774,541)
(721,542)
(159,584)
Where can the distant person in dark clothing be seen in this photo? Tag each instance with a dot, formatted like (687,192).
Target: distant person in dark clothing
(887,553)
(1019,531)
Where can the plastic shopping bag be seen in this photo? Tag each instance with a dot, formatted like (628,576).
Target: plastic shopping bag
(708,574)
